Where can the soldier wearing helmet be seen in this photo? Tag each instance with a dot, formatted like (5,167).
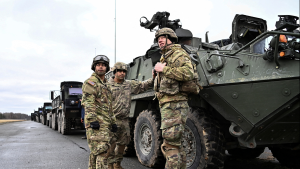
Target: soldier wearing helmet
(99,120)
(121,91)
(175,67)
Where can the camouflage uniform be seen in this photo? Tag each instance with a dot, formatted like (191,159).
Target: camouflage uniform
(98,107)
(121,93)
(173,103)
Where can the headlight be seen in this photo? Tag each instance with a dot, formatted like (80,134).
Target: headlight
(72,102)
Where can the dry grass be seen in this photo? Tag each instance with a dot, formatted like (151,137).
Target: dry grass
(2,121)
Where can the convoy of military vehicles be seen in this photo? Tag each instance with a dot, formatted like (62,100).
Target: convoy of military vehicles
(250,97)
(63,113)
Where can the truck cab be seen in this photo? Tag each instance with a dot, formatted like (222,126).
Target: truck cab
(66,113)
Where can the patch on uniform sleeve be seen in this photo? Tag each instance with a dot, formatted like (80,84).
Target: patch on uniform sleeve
(91,82)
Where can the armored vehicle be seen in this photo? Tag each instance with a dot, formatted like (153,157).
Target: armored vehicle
(65,114)
(249,101)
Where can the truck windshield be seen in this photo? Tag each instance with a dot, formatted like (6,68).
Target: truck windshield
(48,107)
(75,91)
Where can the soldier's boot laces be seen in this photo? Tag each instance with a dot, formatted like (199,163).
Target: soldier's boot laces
(117,165)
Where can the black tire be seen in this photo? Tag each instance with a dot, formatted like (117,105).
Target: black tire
(204,141)
(54,121)
(50,122)
(148,147)
(44,120)
(287,157)
(129,149)
(249,153)
(38,119)
(65,125)
(59,122)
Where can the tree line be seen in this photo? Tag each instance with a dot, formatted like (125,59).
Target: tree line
(12,115)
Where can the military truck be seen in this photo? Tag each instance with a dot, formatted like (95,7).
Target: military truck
(37,116)
(47,107)
(32,116)
(249,101)
(40,112)
(66,114)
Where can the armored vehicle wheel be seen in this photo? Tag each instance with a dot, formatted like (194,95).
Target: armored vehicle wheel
(203,141)
(248,153)
(65,125)
(287,157)
(147,138)
(54,122)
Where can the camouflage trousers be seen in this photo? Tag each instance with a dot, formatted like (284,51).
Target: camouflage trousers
(172,133)
(120,139)
(99,143)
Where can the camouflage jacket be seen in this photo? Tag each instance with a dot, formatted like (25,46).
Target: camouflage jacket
(97,101)
(122,94)
(179,68)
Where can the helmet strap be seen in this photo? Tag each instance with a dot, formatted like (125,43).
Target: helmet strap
(166,45)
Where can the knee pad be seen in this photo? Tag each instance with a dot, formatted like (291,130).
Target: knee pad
(173,134)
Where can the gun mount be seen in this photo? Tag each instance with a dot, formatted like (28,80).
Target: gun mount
(161,20)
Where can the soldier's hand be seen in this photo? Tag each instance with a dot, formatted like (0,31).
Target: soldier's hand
(114,128)
(81,120)
(95,125)
(159,67)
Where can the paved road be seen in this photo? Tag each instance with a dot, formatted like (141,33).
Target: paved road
(30,144)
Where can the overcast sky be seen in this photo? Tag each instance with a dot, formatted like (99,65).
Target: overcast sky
(45,42)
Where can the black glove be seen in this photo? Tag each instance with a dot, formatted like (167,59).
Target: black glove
(114,128)
(95,125)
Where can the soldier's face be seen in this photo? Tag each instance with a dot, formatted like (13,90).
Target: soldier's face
(120,74)
(162,41)
(100,69)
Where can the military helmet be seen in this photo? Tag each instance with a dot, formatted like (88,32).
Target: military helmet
(166,31)
(100,59)
(119,66)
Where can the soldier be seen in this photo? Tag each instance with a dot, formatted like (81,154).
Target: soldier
(174,68)
(122,90)
(99,118)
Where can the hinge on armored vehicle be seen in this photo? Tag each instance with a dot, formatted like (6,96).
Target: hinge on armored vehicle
(244,69)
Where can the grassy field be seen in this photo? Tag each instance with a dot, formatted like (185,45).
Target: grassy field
(2,121)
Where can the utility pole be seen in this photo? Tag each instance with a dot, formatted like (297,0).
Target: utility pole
(115,30)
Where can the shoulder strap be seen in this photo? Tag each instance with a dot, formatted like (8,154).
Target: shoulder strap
(165,56)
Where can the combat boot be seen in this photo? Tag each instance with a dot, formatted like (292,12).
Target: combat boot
(117,165)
